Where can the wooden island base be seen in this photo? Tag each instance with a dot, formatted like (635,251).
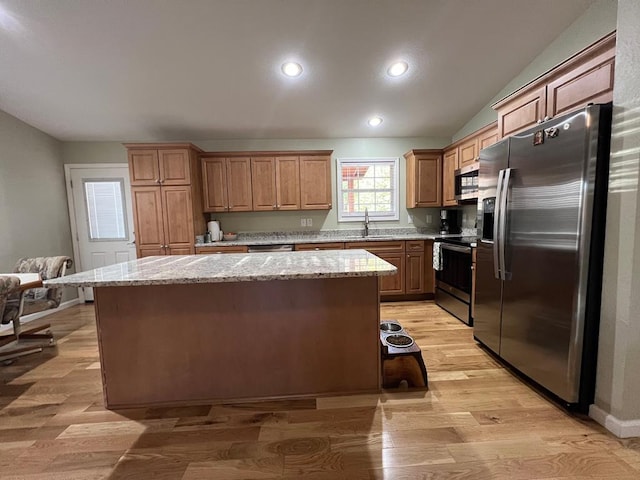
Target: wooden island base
(191,343)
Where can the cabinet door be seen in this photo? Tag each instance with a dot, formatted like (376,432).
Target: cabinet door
(488,138)
(393,284)
(428,174)
(178,218)
(590,82)
(239,184)
(522,112)
(468,152)
(143,167)
(263,183)
(214,185)
(415,272)
(147,216)
(222,249)
(174,167)
(448,177)
(429,272)
(288,183)
(315,182)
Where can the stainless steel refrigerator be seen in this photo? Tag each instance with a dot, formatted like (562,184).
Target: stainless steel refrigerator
(541,219)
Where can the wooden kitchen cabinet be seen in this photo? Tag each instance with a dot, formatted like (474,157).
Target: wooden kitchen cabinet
(429,272)
(414,275)
(585,78)
(450,162)
(226,184)
(468,152)
(166,190)
(160,166)
(319,246)
(275,183)
(488,136)
(315,182)
(163,219)
(424,178)
(222,249)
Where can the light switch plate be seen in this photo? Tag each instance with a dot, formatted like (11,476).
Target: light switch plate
(303,222)
(309,222)
(429,218)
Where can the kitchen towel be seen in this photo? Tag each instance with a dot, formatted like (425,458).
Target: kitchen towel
(437,256)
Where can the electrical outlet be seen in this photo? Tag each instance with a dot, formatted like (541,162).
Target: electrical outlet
(429,219)
(309,222)
(303,222)
(410,219)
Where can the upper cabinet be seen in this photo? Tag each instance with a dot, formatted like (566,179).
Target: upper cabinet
(448,177)
(164,166)
(266,181)
(468,151)
(226,183)
(424,178)
(585,78)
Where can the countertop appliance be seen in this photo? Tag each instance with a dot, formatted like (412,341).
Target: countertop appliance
(541,215)
(454,282)
(450,221)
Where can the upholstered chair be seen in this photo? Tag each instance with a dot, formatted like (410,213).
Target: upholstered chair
(39,299)
(9,286)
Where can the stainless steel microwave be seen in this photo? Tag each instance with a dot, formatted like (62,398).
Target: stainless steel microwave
(466,182)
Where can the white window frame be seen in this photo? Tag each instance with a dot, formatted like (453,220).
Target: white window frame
(394,214)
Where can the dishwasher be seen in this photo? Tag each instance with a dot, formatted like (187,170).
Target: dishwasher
(281,247)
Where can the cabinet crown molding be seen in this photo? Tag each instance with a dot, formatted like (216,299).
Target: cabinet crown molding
(161,146)
(267,153)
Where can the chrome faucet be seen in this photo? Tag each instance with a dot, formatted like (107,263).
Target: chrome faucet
(366,222)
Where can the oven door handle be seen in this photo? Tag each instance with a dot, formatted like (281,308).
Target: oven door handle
(455,248)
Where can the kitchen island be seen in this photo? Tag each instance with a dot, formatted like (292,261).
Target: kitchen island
(202,328)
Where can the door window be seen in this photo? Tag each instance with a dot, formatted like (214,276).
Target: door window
(105,209)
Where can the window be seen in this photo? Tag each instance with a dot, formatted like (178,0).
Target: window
(367,183)
(105,209)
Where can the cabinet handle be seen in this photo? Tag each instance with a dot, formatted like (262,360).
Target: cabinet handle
(157,180)
(539,120)
(275,206)
(547,117)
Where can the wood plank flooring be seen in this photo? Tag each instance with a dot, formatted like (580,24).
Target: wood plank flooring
(476,421)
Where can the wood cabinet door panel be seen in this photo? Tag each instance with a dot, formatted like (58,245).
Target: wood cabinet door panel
(147,214)
(177,216)
(239,184)
(174,166)
(319,246)
(468,152)
(429,172)
(393,284)
(448,177)
(214,184)
(488,138)
(522,112)
(415,272)
(591,82)
(143,167)
(288,183)
(315,183)
(378,246)
(263,183)
(222,249)
(150,251)
(181,250)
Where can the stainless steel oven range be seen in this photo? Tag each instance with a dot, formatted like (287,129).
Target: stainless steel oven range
(454,281)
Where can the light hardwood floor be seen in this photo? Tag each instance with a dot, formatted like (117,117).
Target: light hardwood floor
(476,421)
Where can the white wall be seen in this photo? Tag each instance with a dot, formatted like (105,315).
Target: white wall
(33,203)
(618,378)
(595,23)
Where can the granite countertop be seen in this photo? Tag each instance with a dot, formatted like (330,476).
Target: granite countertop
(240,267)
(328,236)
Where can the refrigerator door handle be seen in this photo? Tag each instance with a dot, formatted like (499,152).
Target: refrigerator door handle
(503,221)
(497,269)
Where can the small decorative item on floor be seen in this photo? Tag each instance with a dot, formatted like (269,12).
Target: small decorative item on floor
(401,357)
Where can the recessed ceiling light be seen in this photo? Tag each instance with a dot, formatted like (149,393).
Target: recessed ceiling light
(398,68)
(375,121)
(291,69)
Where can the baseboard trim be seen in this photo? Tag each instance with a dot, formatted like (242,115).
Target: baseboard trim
(620,428)
(35,316)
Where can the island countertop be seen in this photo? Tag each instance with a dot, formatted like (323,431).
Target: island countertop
(226,268)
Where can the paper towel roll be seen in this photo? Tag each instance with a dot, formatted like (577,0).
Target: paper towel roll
(214,227)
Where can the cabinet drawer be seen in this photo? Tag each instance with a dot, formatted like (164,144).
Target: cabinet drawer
(230,249)
(319,246)
(374,247)
(415,246)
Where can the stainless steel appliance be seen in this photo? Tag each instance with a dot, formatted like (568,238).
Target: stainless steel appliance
(450,221)
(454,281)
(541,216)
(466,183)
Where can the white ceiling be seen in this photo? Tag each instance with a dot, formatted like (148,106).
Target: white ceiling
(163,70)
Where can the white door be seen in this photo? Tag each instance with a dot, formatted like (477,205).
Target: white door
(102,220)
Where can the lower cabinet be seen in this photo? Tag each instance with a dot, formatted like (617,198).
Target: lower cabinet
(429,272)
(221,249)
(163,218)
(393,284)
(303,247)
(414,275)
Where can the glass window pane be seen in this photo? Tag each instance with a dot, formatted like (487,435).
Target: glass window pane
(105,210)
